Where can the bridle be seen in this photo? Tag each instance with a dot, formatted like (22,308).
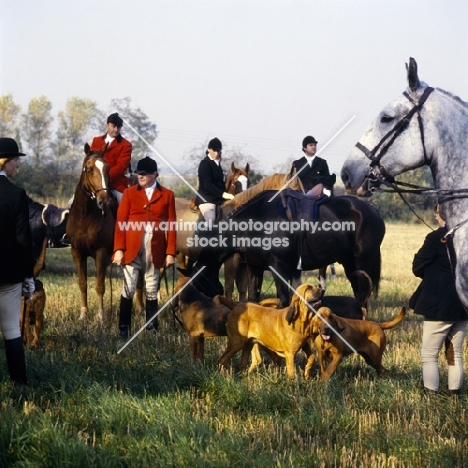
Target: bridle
(233,180)
(389,138)
(93,193)
(377,178)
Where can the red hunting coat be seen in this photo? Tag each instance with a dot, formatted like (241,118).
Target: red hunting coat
(118,156)
(135,208)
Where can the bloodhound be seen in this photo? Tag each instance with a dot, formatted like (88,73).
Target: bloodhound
(334,335)
(283,331)
(33,316)
(205,317)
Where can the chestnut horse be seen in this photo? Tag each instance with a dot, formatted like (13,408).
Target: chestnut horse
(91,223)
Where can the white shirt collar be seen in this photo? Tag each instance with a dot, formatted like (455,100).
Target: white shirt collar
(215,160)
(310,159)
(109,139)
(149,190)
(3,173)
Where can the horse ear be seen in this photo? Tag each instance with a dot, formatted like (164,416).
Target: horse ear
(412,70)
(86,149)
(233,167)
(247,168)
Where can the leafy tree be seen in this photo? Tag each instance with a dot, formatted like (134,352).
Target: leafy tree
(46,181)
(9,118)
(74,127)
(140,122)
(37,127)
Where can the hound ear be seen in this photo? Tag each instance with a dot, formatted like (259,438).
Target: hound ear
(337,324)
(292,314)
(412,70)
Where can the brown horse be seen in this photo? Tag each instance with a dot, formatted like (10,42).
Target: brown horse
(90,227)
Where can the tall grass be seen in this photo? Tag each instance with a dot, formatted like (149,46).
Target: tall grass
(88,405)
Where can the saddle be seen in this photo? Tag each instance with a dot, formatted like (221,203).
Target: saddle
(298,206)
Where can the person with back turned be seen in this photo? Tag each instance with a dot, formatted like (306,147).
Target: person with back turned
(16,260)
(445,317)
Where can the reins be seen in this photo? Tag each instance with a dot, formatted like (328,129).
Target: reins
(376,179)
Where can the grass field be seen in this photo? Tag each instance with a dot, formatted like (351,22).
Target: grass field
(87,405)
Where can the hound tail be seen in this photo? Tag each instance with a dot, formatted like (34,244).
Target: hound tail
(229,303)
(395,321)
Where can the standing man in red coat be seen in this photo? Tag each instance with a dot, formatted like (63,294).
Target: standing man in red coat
(117,155)
(144,240)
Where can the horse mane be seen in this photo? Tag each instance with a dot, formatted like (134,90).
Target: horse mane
(272,182)
(457,99)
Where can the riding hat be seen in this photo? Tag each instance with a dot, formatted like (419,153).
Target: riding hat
(215,144)
(307,140)
(115,119)
(146,166)
(9,148)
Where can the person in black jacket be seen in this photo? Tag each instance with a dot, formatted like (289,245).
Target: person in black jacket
(211,184)
(445,317)
(312,170)
(16,260)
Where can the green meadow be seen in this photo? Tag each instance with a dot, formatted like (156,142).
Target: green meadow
(87,404)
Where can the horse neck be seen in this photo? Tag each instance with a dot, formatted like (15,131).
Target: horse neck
(449,158)
(272,182)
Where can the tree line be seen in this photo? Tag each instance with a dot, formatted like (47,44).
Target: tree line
(55,146)
(55,143)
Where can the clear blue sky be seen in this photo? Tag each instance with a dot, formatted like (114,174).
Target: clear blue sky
(258,74)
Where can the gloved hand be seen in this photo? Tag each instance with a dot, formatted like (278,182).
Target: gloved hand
(227,196)
(28,288)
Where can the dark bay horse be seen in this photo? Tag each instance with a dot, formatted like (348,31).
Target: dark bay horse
(423,126)
(91,223)
(348,231)
(234,269)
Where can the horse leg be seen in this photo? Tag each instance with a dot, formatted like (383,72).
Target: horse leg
(80,261)
(255,284)
(322,276)
(230,267)
(101,261)
(296,279)
(242,280)
(282,292)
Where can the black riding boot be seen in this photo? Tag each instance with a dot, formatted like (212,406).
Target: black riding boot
(14,351)
(151,309)
(125,317)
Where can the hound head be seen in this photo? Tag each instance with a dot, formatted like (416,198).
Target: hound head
(306,294)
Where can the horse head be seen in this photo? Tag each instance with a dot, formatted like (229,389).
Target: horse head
(238,179)
(396,141)
(95,180)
